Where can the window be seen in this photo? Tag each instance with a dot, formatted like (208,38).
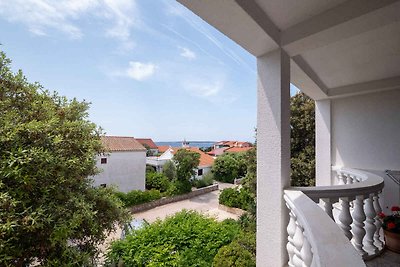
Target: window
(200,172)
(103,185)
(103,160)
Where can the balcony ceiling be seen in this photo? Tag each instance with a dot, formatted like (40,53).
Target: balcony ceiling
(338,48)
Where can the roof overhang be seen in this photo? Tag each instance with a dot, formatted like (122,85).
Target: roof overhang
(337,48)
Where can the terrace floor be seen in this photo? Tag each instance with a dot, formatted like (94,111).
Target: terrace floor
(386,259)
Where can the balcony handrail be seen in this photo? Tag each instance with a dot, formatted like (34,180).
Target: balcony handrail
(313,226)
(369,183)
(328,246)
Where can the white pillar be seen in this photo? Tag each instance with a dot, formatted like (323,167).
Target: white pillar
(323,142)
(273,157)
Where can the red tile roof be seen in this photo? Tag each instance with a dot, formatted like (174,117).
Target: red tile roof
(237,149)
(121,143)
(205,160)
(217,151)
(148,142)
(162,149)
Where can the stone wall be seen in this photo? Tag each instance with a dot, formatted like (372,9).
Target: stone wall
(167,200)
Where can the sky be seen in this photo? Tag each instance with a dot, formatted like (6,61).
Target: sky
(149,68)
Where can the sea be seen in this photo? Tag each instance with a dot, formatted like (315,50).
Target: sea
(198,144)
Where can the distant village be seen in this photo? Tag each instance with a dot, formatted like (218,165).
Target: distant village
(124,165)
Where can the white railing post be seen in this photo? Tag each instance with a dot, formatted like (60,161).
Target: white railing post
(370,227)
(345,218)
(341,178)
(378,222)
(328,207)
(298,244)
(358,225)
(291,229)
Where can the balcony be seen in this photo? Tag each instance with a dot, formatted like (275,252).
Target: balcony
(346,56)
(335,224)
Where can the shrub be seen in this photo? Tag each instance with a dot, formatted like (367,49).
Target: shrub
(179,188)
(241,252)
(157,181)
(169,170)
(185,239)
(136,197)
(229,167)
(150,169)
(234,198)
(208,179)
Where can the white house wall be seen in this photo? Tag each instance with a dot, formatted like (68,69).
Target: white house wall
(126,170)
(366,131)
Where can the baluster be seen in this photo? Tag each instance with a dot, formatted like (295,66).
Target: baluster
(291,229)
(298,244)
(349,179)
(341,178)
(328,207)
(345,218)
(378,222)
(358,225)
(370,227)
(306,252)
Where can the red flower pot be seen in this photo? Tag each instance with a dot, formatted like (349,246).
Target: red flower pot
(392,241)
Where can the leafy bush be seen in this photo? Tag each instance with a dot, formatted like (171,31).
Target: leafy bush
(208,179)
(150,169)
(169,170)
(185,162)
(234,198)
(229,167)
(185,239)
(136,197)
(241,252)
(157,181)
(179,188)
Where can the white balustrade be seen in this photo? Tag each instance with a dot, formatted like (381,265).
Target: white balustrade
(345,218)
(378,222)
(357,198)
(358,225)
(370,227)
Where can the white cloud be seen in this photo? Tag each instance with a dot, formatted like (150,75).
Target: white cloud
(42,16)
(140,71)
(187,53)
(203,89)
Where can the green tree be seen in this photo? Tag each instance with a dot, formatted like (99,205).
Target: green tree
(49,211)
(169,170)
(302,121)
(185,161)
(229,166)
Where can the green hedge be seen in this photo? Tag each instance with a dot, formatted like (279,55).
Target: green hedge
(241,252)
(185,239)
(136,197)
(235,198)
(157,181)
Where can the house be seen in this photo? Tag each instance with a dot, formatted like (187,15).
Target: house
(345,55)
(124,165)
(222,144)
(206,161)
(222,147)
(148,144)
